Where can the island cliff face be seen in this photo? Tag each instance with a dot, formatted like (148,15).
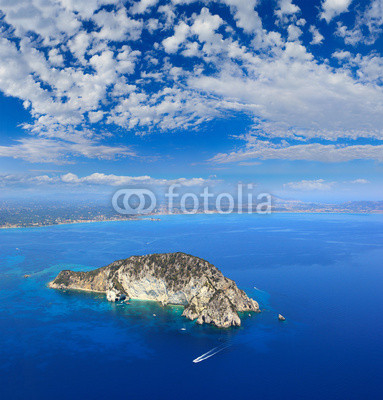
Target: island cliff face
(170,278)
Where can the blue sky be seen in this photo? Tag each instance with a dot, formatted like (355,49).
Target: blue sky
(285,94)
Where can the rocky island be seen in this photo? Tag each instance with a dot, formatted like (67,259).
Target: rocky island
(170,278)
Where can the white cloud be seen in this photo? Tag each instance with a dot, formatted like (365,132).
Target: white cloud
(97,179)
(368,25)
(70,75)
(341,55)
(350,36)
(360,181)
(333,8)
(249,163)
(306,185)
(117,26)
(56,58)
(43,150)
(205,26)
(84,8)
(14,179)
(192,50)
(293,32)
(292,95)
(142,6)
(373,20)
(286,8)
(118,180)
(309,152)
(167,11)
(47,19)
(368,68)
(95,116)
(172,43)
(245,15)
(317,36)
(78,46)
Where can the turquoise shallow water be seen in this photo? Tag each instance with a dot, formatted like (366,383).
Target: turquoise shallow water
(323,272)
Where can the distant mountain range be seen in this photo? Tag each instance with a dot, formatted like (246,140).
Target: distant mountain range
(347,207)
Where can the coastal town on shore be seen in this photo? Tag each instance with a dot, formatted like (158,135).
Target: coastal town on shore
(20,215)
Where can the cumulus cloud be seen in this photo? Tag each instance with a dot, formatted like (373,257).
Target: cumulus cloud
(286,8)
(99,179)
(333,8)
(76,65)
(142,6)
(172,43)
(317,36)
(367,27)
(305,99)
(293,32)
(341,55)
(117,26)
(245,15)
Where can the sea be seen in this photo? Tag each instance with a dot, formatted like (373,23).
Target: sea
(322,272)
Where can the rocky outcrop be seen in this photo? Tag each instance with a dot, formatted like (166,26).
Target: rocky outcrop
(171,278)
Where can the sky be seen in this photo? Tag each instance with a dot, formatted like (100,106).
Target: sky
(284,94)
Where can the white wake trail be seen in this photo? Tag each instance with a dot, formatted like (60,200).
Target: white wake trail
(210,353)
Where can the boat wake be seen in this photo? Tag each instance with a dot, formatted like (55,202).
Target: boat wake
(210,353)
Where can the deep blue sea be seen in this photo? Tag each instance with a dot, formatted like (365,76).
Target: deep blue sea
(324,273)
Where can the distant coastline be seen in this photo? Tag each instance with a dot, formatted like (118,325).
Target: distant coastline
(154,217)
(38,225)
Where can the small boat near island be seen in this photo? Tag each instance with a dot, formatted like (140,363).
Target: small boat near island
(210,353)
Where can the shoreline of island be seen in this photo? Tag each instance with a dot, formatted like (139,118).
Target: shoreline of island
(208,297)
